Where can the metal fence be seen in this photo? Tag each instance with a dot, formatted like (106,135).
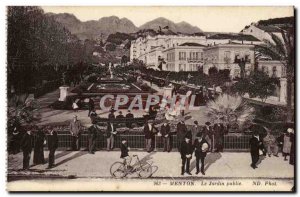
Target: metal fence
(231,142)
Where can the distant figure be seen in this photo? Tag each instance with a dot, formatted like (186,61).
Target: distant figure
(181,132)
(120,116)
(15,141)
(254,149)
(38,155)
(218,132)
(93,115)
(270,144)
(26,146)
(166,136)
(284,142)
(292,139)
(110,135)
(75,106)
(111,114)
(208,135)
(92,137)
(186,152)
(149,131)
(195,130)
(124,152)
(201,147)
(75,131)
(91,106)
(52,146)
(129,116)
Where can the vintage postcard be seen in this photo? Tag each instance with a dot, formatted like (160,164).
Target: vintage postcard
(158,99)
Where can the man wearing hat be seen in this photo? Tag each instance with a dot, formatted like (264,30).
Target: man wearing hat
(129,117)
(195,130)
(219,131)
(52,146)
(208,135)
(254,149)
(111,114)
(165,134)
(110,135)
(26,146)
(181,132)
(149,131)
(124,152)
(92,137)
(201,147)
(75,130)
(186,152)
(120,115)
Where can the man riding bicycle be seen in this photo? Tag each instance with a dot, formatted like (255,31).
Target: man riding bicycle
(124,153)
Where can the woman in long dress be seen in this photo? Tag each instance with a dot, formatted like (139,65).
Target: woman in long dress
(286,149)
(38,157)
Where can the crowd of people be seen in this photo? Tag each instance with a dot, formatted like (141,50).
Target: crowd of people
(197,140)
(269,145)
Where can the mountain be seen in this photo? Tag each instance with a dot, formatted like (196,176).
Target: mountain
(182,27)
(102,28)
(94,29)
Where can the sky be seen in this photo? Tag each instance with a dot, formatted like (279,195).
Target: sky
(209,19)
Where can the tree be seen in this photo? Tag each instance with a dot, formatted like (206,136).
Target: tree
(283,49)
(39,49)
(258,84)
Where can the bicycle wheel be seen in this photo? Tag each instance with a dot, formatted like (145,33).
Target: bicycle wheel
(145,171)
(118,170)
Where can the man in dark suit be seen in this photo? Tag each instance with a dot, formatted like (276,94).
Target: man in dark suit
(254,149)
(181,132)
(92,136)
(218,137)
(208,135)
(149,131)
(111,114)
(166,137)
(129,116)
(110,135)
(91,106)
(120,115)
(195,130)
(201,147)
(27,145)
(52,146)
(124,153)
(186,152)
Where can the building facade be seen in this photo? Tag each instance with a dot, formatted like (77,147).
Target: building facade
(227,56)
(184,57)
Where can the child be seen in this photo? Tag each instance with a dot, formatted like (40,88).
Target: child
(124,153)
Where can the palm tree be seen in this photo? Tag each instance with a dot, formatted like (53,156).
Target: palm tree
(283,49)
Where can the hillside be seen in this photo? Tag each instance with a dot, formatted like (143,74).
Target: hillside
(182,27)
(95,29)
(102,28)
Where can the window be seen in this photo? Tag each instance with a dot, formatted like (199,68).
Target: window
(274,70)
(182,55)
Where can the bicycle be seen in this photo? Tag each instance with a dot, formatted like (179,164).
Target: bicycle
(119,170)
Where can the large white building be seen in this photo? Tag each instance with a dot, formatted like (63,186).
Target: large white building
(184,57)
(226,56)
(175,52)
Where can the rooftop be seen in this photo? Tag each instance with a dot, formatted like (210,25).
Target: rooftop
(269,28)
(234,37)
(192,44)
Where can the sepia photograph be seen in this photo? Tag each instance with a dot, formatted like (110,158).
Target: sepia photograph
(150,99)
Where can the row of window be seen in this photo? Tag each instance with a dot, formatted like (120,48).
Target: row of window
(192,56)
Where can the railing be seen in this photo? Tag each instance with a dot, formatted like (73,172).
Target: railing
(231,142)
